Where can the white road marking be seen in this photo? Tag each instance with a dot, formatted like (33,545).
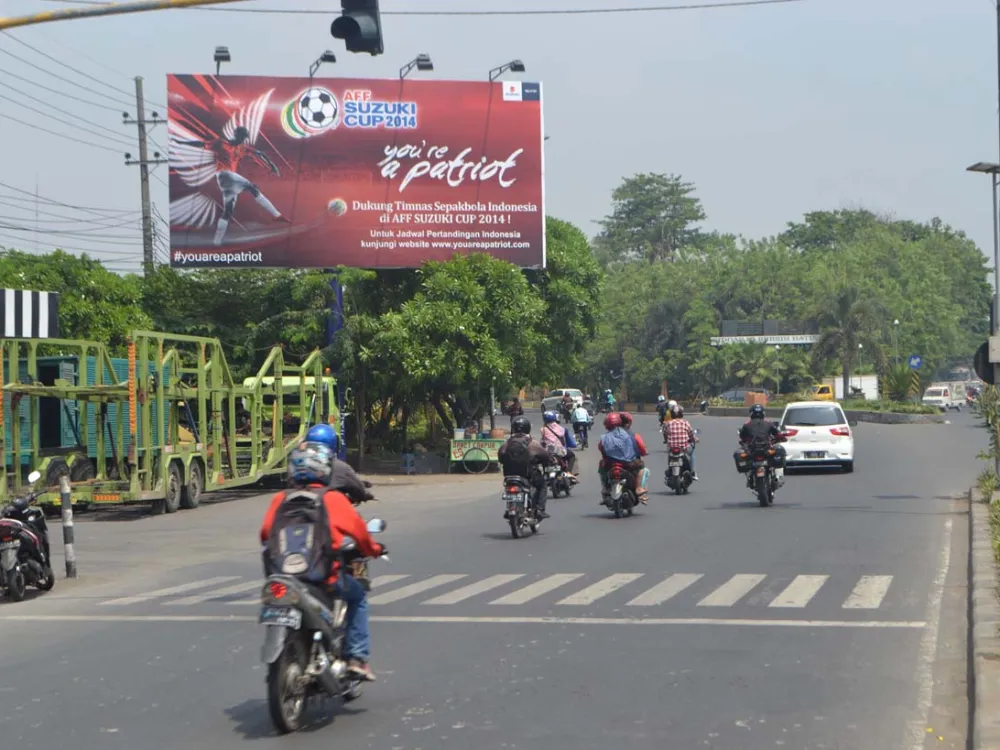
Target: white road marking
(928,646)
(869,593)
(415,588)
(799,592)
(376,582)
(600,589)
(846,624)
(537,589)
(236,588)
(473,589)
(665,590)
(732,590)
(183,588)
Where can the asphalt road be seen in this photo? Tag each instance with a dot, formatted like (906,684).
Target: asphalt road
(834,619)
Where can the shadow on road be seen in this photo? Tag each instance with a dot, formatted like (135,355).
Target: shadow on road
(253,722)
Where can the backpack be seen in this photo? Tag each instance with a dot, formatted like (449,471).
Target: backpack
(300,543)
(516,454)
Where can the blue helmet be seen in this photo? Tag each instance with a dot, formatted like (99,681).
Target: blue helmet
(310,463)
(325,434)
(550,417)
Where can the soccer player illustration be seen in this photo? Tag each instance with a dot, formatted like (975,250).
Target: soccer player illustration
(197,155)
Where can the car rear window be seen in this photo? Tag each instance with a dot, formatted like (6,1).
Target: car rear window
(933,392)
(813,416)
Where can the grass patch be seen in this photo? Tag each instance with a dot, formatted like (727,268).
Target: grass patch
(886,406)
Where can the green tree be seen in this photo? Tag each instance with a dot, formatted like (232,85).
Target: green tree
(849,319)
(652,218)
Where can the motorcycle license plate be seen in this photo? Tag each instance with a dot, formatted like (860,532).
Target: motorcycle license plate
(815,454)
(676,470)
(760,471)
(285,617)
(14,544)
(516,498)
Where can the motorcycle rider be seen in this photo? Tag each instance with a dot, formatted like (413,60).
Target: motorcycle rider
(562,440)
(760,429)
(581,420)
(640,444)
(310,467)
(342,478)
(618,445)
(518,457)
(680,434)
(609,400)
(661,407)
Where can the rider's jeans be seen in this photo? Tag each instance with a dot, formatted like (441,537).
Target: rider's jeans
(357,638)
(691,458)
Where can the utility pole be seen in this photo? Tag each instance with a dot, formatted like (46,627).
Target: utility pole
(144,161)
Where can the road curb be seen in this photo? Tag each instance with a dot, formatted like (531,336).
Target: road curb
(877,417)
(984,629)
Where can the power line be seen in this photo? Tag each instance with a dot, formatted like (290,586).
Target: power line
(61,93)
(59,218)
(122,253)
(106,239)
(60,135)
(116,133)
(33,196)
(57,75)
(118,138)
(546,12)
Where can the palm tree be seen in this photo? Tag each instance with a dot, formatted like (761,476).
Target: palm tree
(848,319)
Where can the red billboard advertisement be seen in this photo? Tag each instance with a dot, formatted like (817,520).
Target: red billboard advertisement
(317,173)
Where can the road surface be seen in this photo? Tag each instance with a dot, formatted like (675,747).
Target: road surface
(834,619)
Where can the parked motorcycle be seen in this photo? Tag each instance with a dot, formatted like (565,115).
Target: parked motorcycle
(24,546)
(622,499)
(304,642)
(518,497)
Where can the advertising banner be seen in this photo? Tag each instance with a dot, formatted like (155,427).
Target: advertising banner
(317,173)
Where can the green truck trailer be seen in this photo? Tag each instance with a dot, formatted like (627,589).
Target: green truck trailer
(163,426)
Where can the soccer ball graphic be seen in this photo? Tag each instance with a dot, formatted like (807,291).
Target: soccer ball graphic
(317,109)
(337,206)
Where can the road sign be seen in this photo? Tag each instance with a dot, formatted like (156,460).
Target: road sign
(915,361)
(981,364)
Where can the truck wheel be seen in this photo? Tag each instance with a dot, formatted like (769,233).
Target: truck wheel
(191,494)
(175,485)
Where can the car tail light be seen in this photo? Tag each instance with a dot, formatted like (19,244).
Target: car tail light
(840,431)
(789,432)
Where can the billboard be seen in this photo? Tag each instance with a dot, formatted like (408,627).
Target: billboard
(316,173)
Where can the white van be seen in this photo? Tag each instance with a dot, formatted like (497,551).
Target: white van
(944,396)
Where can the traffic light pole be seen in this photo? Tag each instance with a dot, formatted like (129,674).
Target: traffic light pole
(109,9)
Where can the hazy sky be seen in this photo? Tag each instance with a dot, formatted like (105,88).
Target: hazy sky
(771,111)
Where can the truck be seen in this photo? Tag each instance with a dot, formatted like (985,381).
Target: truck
(167,427)
(832,388)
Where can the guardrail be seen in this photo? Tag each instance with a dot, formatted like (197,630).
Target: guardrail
(878,417)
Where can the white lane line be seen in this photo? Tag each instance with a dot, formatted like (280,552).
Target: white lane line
(237,588)
(537,589)
(385,580)
(183,588)
(413,589)
(845,624)
(732,590)
(928,646)
(600,589)
(869,593)
(799,592)
(473,589)
(667,589)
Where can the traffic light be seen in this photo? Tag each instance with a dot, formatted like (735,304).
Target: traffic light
(359,26)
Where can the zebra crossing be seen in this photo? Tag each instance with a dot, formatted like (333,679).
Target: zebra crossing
(563,591)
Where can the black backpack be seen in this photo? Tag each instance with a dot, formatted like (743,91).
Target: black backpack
(300,543)
(517,457)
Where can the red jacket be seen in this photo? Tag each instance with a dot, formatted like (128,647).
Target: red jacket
(640,444)
(344,521)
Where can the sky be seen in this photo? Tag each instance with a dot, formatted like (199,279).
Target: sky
(771,111)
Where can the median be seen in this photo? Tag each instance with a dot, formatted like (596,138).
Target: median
(879,412)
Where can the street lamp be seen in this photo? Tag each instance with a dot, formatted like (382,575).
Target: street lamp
(221,56)
(777,368)
(993,170)
(515,66)
(421,62)
(326,57)
(895,338)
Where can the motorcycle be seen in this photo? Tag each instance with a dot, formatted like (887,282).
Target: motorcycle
(520,507)
(622,499)
(24,547)
(678,474)
(304,641)
(758,461)
(557,479)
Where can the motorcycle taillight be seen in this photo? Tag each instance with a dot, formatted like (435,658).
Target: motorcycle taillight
(616,472)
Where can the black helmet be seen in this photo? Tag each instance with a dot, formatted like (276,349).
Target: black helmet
(520,426)
(756,411)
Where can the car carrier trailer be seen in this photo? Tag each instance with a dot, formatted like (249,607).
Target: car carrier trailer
(163,430)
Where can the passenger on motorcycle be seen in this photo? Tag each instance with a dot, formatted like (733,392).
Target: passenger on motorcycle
(519,457)
(619,446)
(581,420)
(643,473)
(680,434)
(561,440)
(758,429)
(343,478)
(310,467)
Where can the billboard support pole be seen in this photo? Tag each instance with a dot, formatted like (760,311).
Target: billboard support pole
(336,324)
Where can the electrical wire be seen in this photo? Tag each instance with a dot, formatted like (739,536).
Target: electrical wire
(545,12)
(89,250)
(60,135)
(40,69)
(116,133)
(59,218)
(33,196)
(61,93)
(103,239)
(117,138)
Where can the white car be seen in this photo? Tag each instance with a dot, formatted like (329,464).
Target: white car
(552,401)
(819,434)
(944,397)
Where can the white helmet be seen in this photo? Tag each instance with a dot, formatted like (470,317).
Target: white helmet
(661,398)
(671,403)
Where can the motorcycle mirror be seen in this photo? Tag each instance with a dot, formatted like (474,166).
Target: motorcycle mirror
(348,544)
(376,526)
(34,477)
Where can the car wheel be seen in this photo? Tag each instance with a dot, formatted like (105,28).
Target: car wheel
(848,467)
